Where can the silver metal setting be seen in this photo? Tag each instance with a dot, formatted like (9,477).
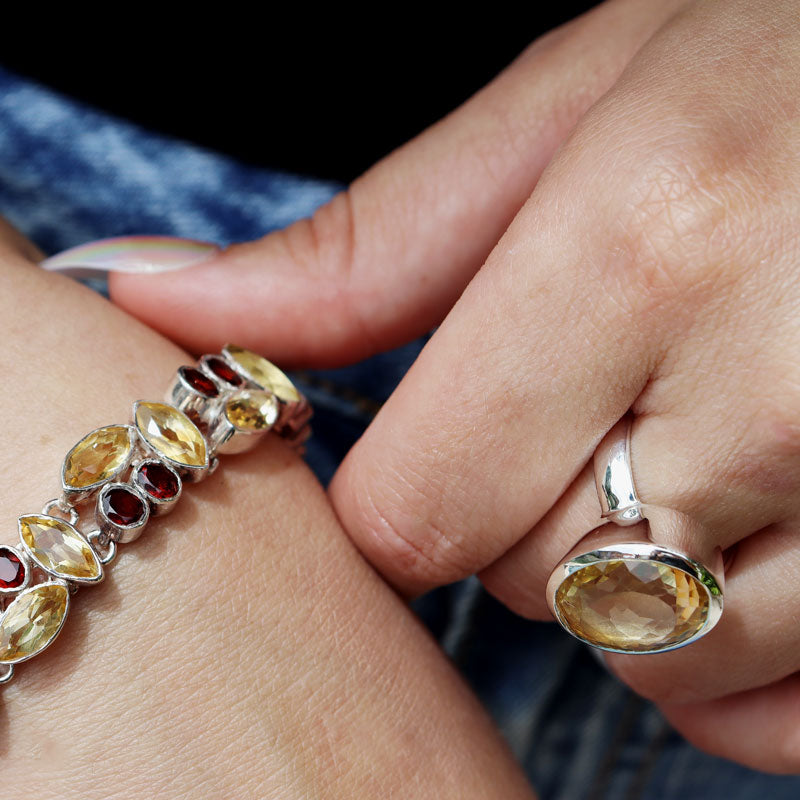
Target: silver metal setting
(641,551)
(204,367)
(199,407)
(81,510)
(114,531)
(75,495)
(621,505)
(189,472)
(60,504)
(160,506)
(613,476)
(293,422)
(26,565)
(227,438)
(99,542)
(55,573)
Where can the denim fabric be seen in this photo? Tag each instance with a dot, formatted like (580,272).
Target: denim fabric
(69,174)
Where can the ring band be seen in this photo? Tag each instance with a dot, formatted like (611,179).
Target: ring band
(119,476)
(635,596)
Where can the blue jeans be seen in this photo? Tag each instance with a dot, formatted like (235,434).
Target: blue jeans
(69,174)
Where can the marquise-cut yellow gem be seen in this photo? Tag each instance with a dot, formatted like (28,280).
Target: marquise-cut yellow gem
(171,433)
(98,457)
(252,410)
(633,604)
(32,621)
(264,373)
(59,548)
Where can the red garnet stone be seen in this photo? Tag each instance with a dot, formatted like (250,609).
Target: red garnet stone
(224,371)
(12,570)
(157,480)
(199,382)
(123,507)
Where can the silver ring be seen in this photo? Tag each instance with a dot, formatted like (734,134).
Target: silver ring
(634,595)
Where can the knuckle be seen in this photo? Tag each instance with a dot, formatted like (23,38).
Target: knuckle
(396,523)
(325,242)
(692,223)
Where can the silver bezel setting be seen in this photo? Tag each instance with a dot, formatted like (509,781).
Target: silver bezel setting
(641,551)
(226,438)
(75,495)
(26,565)
(246,383)
(189,472)
(61,576)
(114,531)
(30,589)
(294,416)
(185,397)
(158,506)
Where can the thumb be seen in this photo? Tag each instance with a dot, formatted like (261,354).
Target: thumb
(384,261)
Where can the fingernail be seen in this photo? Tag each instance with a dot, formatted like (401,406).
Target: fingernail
(133,254)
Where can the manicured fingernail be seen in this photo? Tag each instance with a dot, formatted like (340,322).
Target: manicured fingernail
(136,254)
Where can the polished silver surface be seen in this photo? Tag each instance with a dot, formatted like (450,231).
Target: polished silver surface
(613,476)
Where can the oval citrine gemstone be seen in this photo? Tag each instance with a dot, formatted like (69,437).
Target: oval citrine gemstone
(632,605)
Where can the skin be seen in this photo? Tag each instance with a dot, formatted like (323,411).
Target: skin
(242,647)
(611,225)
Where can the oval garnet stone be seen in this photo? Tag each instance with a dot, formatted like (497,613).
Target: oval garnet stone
(123,507)
(199,382)
(12,570)
(157,480)
(224,371)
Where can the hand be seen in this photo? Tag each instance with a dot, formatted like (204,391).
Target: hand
(240,648)
(654,266)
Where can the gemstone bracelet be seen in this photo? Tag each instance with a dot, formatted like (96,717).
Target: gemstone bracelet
(118,476)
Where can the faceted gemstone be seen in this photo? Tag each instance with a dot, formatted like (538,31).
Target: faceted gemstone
(224,371)
(32,621)
(199,382)
(264,373)
(97,457)
(171,433)
(12,570)
(632,604)
(58,548)
(123,507)
(252,410)
(157,480)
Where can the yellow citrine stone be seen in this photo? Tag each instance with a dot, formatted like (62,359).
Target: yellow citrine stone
(264,373)
(632,605)
(171,433)
(97,457)
(32,621)
(252,410)
(58,548)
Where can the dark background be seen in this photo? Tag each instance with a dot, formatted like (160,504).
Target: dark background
(323,96)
